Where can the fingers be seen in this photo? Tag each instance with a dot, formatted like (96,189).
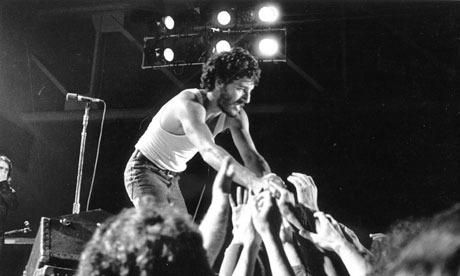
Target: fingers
(300,180)
(335,224)
(239,196)
(309,235)
(333,221)
(232,202)
(262,200)
(377,236)
(275,191)
(263,203)
(274,179)
(242,197)
(321,217)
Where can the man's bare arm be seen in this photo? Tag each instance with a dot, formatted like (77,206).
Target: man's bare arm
(192,117)
(243,141)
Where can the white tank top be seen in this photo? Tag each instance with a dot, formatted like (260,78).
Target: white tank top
(170,151)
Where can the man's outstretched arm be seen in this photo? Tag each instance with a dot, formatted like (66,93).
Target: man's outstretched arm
(192,116)
(243,141)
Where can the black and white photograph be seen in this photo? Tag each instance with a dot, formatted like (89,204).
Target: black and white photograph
(217,137)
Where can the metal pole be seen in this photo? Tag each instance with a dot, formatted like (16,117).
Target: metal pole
(76,204)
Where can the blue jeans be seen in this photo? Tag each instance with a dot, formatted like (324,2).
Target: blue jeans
(142,177)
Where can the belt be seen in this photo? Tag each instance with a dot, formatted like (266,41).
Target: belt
(140,156)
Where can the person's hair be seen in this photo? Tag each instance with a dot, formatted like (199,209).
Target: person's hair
(10,165)
(436,251)
(229,66)
(386,250)
(145,241)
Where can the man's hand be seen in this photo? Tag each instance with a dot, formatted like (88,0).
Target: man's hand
(307,192)
(265,182)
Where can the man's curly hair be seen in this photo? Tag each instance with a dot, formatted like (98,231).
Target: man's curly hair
(229,66)
(147,241)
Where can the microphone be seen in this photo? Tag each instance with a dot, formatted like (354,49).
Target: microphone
(80,98)
(27,227)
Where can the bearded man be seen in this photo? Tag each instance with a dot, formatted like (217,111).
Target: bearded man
(187,124)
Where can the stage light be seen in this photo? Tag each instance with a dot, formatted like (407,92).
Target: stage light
(268,14)
(168,54)
(268,47)
(168,22)
(224,18)
(174,50)
(222,46)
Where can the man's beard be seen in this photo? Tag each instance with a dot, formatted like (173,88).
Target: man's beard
(224,104)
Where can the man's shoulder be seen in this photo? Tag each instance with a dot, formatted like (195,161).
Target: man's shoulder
(186,96)
(189,93)
(185,101)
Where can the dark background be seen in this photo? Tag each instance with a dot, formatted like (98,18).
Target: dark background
(367,104)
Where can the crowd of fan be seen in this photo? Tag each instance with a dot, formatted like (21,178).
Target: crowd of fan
(274,232)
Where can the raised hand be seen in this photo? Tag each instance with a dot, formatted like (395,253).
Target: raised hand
(328,236)
(265,214)
(214,224)
(307,192)
(286,203)
(243,229)
(353,238)
(267,221)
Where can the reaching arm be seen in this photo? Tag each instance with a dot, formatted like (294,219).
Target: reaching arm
(214,224)
(244,235)
(267,221)
(243,141)
(287,238)
(192,116)
(330,237)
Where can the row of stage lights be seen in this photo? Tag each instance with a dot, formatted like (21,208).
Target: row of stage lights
(253,30)
(226,18)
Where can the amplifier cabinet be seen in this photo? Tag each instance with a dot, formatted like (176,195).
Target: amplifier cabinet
(60,241)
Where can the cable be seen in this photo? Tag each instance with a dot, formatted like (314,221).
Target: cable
(201,197)
(97,157)
(199,202)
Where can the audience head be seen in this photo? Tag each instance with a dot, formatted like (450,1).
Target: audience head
(436,251)
(387,248)
(6,167)
(145,241)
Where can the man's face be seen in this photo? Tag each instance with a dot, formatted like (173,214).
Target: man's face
(235,95)
(4,169)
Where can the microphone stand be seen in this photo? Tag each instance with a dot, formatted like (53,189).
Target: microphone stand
(76,204)
(22,230)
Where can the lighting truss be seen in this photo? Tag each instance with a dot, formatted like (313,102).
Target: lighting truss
(195,48)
